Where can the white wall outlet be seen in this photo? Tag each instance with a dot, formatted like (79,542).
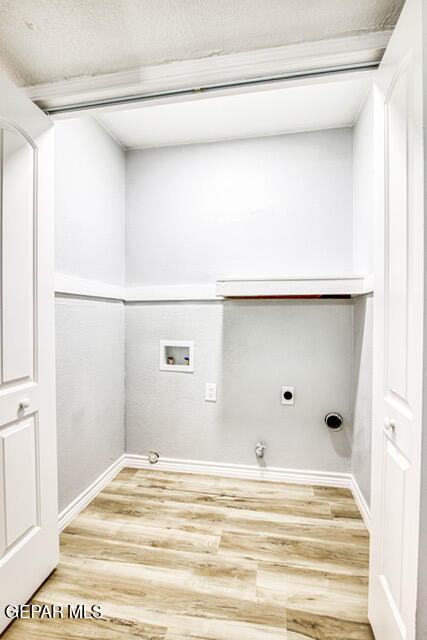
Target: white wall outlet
(210,392)
(288,395)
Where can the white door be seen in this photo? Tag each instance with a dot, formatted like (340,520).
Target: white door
(28,480)
(398,359)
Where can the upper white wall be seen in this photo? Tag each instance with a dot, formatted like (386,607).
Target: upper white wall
(90,201)
(263,207)
(363,188)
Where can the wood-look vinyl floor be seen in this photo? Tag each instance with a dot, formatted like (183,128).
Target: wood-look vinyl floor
(172,556)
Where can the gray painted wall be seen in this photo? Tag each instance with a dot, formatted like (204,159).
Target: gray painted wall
(90,391)
(364,188)
(362,393)
(90,228)
(257,208)
(250,349)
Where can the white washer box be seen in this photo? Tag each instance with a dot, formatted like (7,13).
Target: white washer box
(181,351)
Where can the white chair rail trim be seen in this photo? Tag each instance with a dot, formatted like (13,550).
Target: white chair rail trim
(76,286)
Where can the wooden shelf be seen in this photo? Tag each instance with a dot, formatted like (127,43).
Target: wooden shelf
(295,286)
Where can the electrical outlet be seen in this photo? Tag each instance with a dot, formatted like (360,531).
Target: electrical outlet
(210,392)
(288,395)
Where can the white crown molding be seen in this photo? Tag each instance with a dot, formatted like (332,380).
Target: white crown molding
(251,472)
(352,51)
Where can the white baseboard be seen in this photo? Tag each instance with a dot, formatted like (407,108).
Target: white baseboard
(202,467)
(252,472)
(79,503)
(361,502)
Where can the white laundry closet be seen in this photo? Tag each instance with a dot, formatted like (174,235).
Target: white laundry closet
(259,239)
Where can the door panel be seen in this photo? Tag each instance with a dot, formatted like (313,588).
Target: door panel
(399,310)
(395,467)
(28,476)
(20,479)
(18,226)
(396,280)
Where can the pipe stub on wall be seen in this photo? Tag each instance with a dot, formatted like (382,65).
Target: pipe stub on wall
(153,457)
(333,421)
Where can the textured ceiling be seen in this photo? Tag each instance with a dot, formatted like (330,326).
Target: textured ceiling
(49,40)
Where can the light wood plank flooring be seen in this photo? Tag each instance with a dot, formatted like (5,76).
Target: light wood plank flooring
(173,556)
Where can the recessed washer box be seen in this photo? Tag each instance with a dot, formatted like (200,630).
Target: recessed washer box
(177,355)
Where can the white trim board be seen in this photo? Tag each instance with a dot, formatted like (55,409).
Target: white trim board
(75,286)
(351,51)
(251,472)
(296,286)
(171,292)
